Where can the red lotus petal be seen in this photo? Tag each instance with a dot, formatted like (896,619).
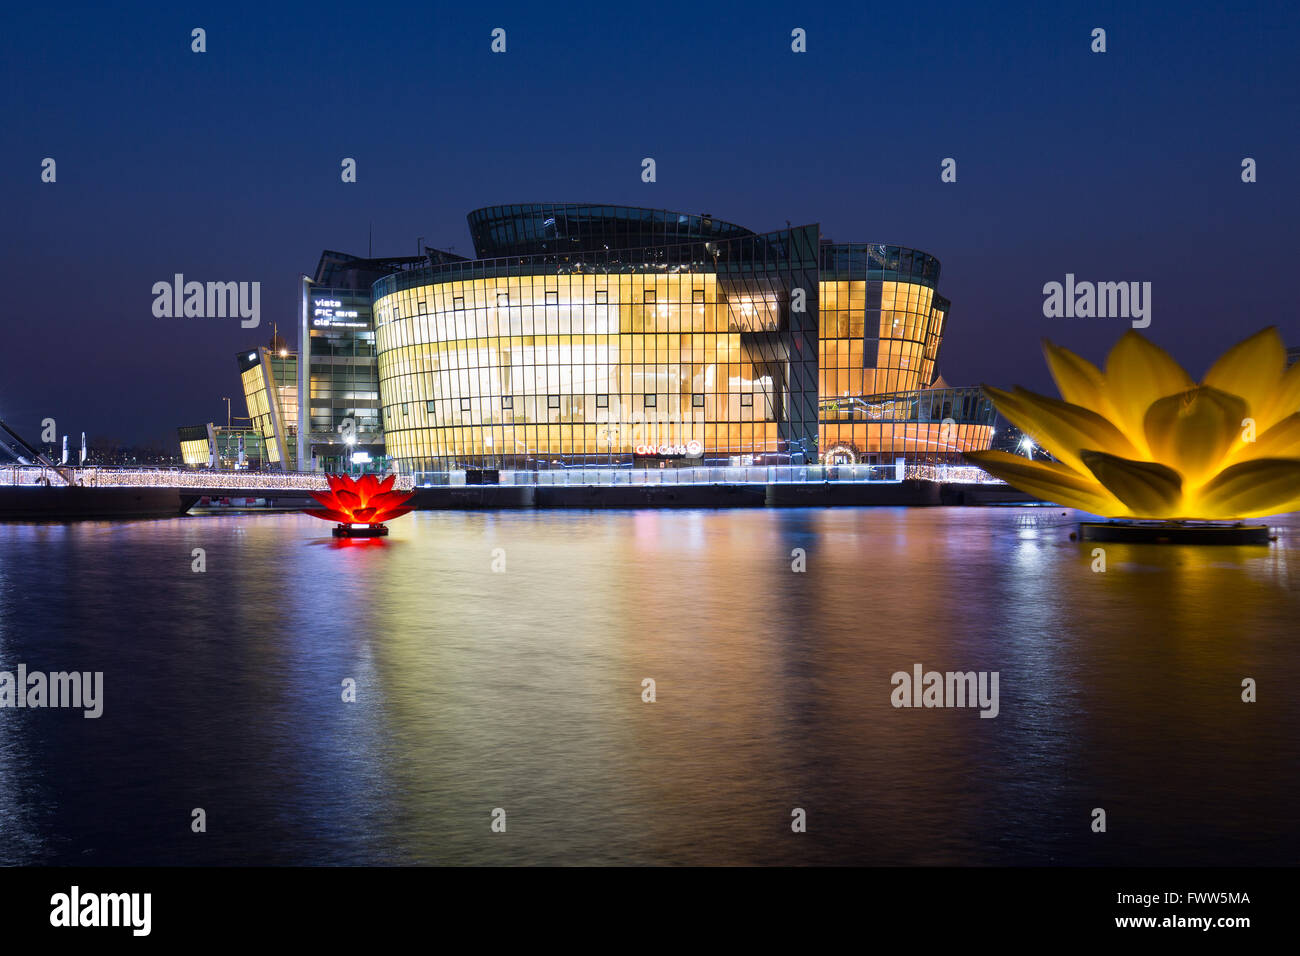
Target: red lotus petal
(361,501)
(326,498)
(391,499)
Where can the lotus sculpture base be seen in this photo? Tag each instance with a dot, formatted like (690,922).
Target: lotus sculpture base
(364,531)
(1173,532)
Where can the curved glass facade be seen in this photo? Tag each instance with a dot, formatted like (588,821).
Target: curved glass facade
(602,338)
(522,364)
(891,348)
(930,424)
(541,228)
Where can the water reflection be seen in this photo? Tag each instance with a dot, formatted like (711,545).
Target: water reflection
(520,688)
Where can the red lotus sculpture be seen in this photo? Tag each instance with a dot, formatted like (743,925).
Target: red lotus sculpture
(360,505)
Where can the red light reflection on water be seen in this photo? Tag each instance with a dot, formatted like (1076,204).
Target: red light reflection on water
(358,543)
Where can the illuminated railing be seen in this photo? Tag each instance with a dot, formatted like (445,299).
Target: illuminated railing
(742,475)
(32,475)
(965,474)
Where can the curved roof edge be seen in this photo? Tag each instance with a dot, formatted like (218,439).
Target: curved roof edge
(529,228)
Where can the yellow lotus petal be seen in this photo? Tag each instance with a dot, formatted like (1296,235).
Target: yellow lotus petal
(1285,401)
(1139,373)
(1061,428)
(1252,489)
(1157,444)
(1193,431)
(1078,380)
(1148,489)
(1280,441)
(1251,369)
(1050,481)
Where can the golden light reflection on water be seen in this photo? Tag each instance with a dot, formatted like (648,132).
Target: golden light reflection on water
(522,688)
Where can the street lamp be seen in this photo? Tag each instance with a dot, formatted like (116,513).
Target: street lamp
(1027,446)
(227,401)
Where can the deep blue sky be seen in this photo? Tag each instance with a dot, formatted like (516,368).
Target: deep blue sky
(225,165)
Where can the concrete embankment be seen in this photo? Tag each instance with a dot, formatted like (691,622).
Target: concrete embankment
(36,503)
(63,503)
(785,495)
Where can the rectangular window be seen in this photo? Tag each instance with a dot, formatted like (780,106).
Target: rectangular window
(697,296)
(430,407)
(552,298)
(746,399)
(423,310)
(697,400)
(405,411)
(602,296)
(458,302)
(503,298)
(464,404)
(507,401)
(650,399)
(650,296)
(602,401)
(397,313)
(552,401)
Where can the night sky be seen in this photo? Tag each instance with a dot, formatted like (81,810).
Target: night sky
(225,165)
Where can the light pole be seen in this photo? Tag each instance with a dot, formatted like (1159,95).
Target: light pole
(304,372)
(227,401)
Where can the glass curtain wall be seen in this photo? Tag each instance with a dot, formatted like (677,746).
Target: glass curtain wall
(697,352)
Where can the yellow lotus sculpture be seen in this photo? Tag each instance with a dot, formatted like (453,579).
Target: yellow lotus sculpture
(1142,440)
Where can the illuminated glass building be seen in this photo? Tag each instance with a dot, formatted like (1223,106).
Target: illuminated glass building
(222,447)
(196,445)
(270,382)
(612,335)
(338,378)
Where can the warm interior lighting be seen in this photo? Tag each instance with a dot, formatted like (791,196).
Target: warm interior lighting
(602,348)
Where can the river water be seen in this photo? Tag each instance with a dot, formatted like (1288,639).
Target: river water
(520,689)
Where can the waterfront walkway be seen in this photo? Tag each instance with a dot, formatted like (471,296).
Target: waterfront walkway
(248,482)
